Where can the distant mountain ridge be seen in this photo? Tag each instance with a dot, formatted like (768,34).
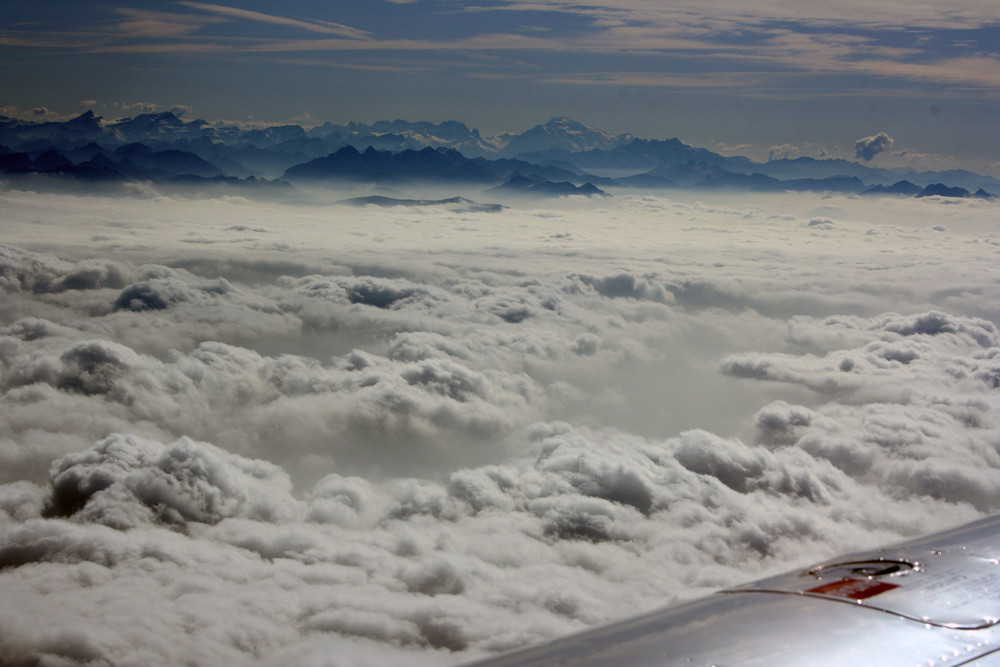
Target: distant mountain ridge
(437,165)
(456,204)
(561,134)
(382,166)
(163,145)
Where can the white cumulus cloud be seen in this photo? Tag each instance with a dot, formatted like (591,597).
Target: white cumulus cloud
(423,436)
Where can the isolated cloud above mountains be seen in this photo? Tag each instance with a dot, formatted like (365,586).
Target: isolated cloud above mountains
(418,436)
(867,148)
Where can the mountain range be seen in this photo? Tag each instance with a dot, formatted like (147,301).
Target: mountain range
(558,157)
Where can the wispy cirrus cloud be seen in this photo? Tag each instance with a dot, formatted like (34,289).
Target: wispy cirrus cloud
(325,27)
(919,41)
(778,49)
(963,14)
(150,31)
(145,24)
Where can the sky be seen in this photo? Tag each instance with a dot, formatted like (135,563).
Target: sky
(758,77)
(245,432)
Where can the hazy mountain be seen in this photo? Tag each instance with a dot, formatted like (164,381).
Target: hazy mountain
(249,159)
(638,155)
(12,163)
(165,126)
(560,134)
(84,128)
(942,190)
(559,150)
(432,164)
(454,204)
(132,161)
(272,136)
(102,168)
(688,173)
(173,162)
(844,184)
(50,160)
(959,177)
(401,135)
(812,167)
(904,188)
(540,187)
(713,176)
(796,167)
(505,167)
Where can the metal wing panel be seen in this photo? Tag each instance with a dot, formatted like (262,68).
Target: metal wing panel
(932,601)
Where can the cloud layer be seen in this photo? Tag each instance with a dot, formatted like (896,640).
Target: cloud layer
(356,437)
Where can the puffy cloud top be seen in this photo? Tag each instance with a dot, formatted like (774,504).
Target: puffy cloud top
(340,452)
(125,480)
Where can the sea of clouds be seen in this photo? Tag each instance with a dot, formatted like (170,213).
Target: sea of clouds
(236,431)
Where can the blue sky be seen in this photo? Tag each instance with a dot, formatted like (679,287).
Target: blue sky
(778,76)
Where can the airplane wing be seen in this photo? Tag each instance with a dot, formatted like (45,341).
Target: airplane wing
(933,601)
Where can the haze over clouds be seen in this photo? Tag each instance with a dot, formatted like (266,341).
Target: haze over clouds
(247,432)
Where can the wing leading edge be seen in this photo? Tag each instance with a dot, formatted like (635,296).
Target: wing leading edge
(932,601)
